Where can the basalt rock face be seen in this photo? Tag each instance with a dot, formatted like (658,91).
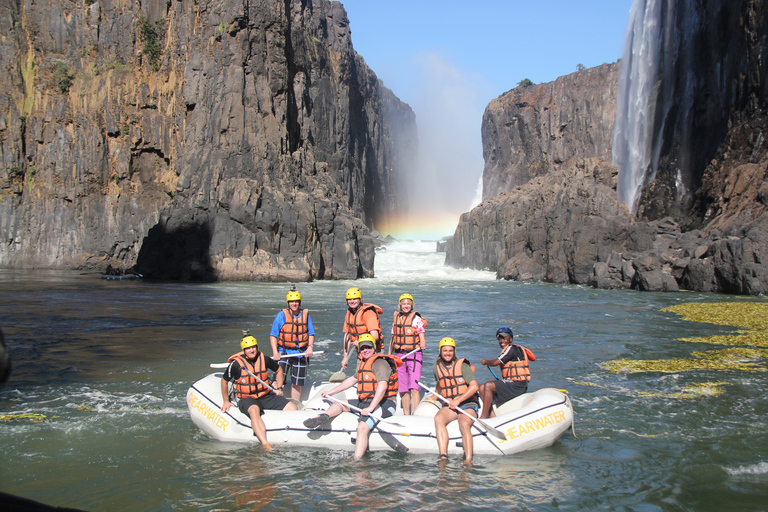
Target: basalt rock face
(534,130)
(554,228)
(550,210)
(558,219)
(713,79)
(201,140)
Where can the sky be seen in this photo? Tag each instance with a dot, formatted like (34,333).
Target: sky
(448,59)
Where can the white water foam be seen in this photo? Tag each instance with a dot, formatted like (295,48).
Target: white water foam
(760,468)
(418,260)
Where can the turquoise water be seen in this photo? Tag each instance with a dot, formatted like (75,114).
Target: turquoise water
(108,364)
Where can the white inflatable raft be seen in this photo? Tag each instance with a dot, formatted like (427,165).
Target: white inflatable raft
(529,422)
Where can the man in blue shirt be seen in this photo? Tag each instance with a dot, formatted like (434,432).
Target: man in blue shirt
(293,335)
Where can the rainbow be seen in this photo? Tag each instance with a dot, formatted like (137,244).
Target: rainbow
(430,226)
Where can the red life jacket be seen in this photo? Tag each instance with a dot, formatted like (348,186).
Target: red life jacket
(450,381)
(295,332)
(355,326)
(404,336)
(246,386)
(366,378)
(518,371)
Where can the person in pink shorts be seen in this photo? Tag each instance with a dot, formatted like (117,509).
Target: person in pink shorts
(408,334)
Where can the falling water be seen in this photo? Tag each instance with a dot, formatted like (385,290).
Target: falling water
(636,98)
(671,62)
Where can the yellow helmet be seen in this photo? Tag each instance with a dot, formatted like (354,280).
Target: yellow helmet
(293,295)
(354,293)
(446,342)
(366,339)
(405,296)
(248,341)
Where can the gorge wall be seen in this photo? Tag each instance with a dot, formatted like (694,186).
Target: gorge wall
(199,139)
(553,213)
(532,131)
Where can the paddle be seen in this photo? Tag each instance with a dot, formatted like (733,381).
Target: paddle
(299,405)
(339,376)
(411,352)
(493,372)
(358,410)
(494,432)
(303,354)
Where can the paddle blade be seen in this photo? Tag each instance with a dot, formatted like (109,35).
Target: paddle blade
(494,432)
(338,377)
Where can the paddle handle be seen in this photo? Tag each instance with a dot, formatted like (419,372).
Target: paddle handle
(493,372)
(411,352)
(224,365)
(258,379)
(346,358)
(491,430)
(303,354)
(442,398)
(356,409)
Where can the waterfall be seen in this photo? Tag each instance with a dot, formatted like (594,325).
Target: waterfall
(673,59)
(636,99)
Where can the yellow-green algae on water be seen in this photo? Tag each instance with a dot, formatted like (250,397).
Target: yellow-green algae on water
(692,390)
(35,418)
(751,316)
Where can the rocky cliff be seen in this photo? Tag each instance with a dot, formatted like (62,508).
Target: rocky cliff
(712,80)
(531,131)
(554,214)
(200,139)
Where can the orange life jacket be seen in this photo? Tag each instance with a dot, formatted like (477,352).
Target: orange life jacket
(366,378)
(246,386)
(295,332)
(355,326)
(404,336)
(450,381)
(518,370)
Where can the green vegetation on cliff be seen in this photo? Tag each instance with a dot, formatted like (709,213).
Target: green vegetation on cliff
(148,32)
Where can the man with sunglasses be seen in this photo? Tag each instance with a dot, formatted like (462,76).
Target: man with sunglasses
(376,382)
(515,373)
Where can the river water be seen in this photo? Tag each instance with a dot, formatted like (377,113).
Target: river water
(108,363)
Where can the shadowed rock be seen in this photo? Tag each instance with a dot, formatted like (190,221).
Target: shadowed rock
(255,124)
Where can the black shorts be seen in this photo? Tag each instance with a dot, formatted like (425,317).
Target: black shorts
(271,401)
(506,391)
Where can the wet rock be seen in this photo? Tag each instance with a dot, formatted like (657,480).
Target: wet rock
(699,275)
(257,145)
(554,228)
